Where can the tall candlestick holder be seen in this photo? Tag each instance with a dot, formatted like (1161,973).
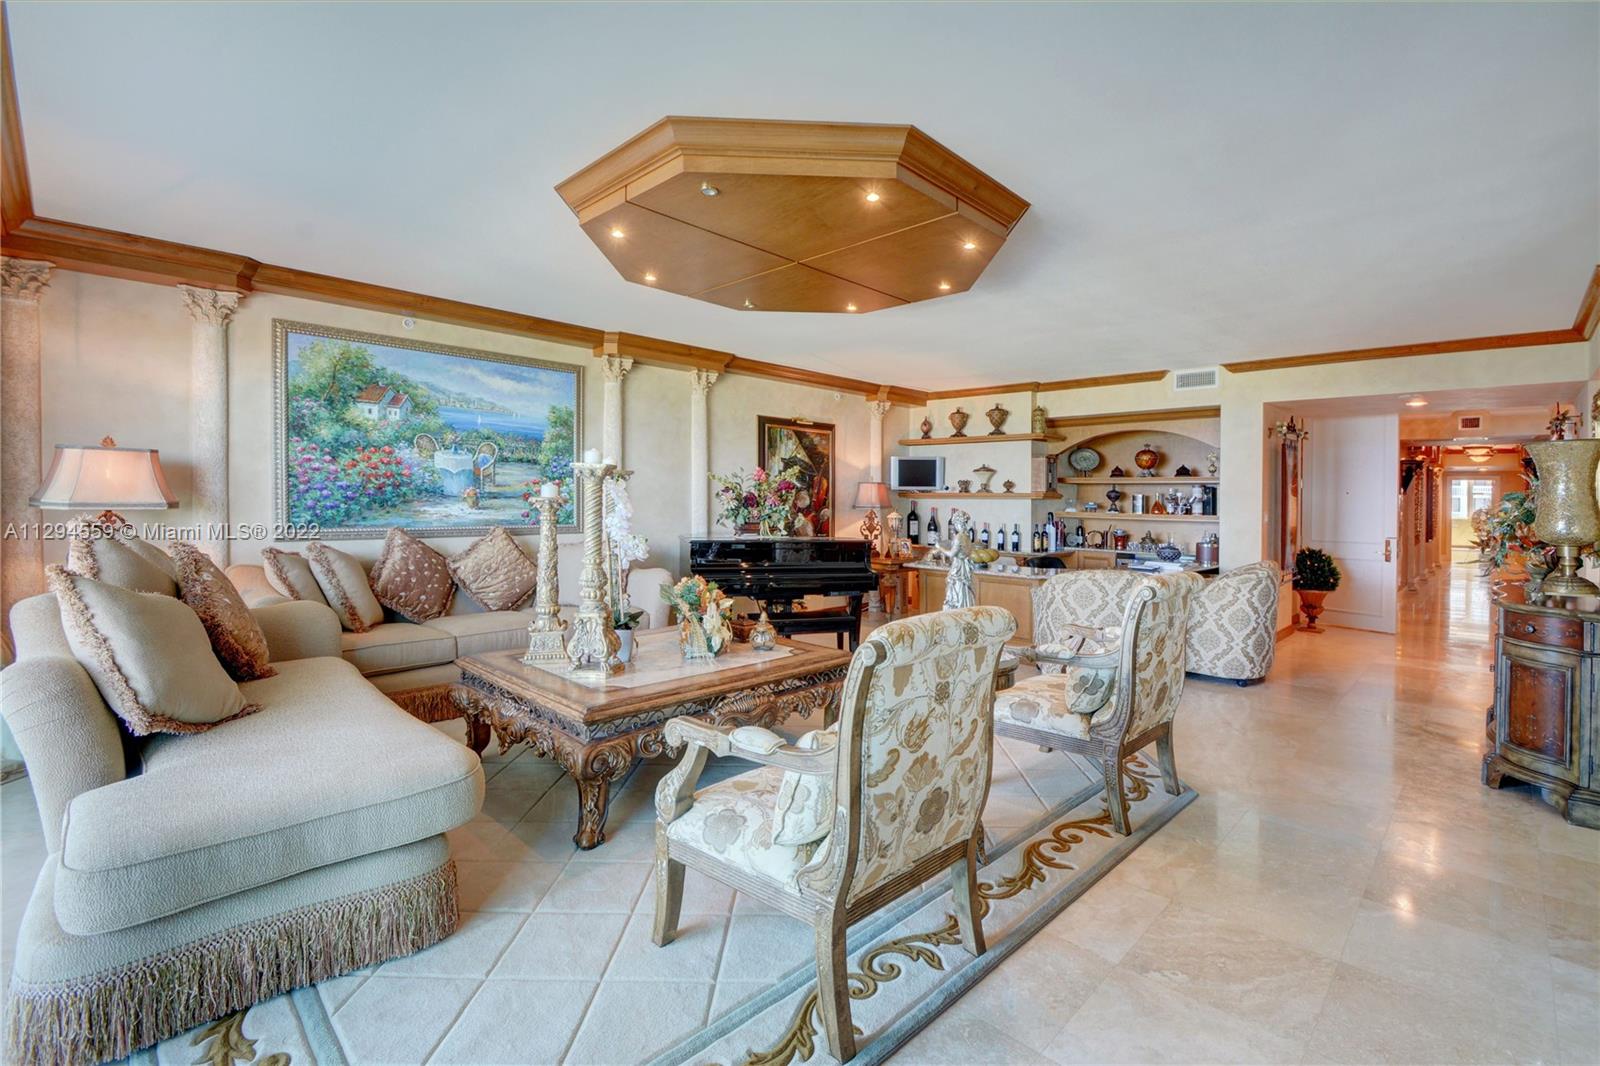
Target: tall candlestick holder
(547,637)
(593,643)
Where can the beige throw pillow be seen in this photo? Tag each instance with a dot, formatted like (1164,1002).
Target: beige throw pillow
(235,634)
(495,571)
(411,579)
(343,581)
(289,574)
(130,564)
(148,655)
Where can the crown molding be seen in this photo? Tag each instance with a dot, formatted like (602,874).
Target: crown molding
(16,194)
(1534,339)
(1095,381)
(1589,308)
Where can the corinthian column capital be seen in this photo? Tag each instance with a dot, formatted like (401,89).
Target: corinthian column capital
(213,307)
(702,380)
(879,408)
(615,367)
(24,279)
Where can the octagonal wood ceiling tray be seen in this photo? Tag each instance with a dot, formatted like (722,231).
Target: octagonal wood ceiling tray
(762,215)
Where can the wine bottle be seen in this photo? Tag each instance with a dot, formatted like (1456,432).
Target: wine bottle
(983,537)
(1016,537)
(1038,540)
(914,525)
(933,525)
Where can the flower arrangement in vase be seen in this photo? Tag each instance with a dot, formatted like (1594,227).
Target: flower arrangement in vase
(705,615)
(624,547)
(762,498)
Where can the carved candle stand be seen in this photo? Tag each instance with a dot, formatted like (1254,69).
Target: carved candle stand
(547,639)
(592,646)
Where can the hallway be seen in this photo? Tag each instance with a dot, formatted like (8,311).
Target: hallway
(1343,891)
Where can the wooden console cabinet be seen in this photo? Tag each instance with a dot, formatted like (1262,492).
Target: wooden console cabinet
(1543,724)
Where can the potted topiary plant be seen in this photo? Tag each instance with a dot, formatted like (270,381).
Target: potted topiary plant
(1315,575)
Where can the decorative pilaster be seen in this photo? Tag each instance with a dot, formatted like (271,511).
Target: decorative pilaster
(208,411)
(700,383)
(615,368)
(879,408)
(22,551)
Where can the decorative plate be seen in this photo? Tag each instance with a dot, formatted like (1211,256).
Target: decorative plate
(1083,460)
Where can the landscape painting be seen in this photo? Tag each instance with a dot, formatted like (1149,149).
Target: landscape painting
(376,431)
(801,451)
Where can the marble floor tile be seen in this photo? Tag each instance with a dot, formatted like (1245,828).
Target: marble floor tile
(1033,998)
(562,946)
(511,1023)
(399,1019)
(504,886)
(695,954)
(589,887)
(1107,923)
(629,1019)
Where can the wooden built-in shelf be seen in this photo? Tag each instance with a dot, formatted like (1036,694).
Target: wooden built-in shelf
(1132,480)
(981,438)
(979,495)
(1135,519)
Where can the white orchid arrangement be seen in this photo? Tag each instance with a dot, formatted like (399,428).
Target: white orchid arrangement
(627,548)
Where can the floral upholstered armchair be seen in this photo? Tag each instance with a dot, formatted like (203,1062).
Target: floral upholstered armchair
(1112,673)
(848,819)
(1233,623)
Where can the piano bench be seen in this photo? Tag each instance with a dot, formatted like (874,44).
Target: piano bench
(840,621)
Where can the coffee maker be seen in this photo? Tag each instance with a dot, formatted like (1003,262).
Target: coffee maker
(1208,499)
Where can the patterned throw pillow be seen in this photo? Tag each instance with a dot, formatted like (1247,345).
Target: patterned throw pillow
(495,571)
(289,574)
(148,655)
(126,562)
(235,634)
(411,579)
(344,583)
(803,811)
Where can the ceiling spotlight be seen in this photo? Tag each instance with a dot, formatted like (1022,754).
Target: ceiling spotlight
(873,198)
(1416,401)
(944,286)
(748,306)
(969,245)
(849,307)
(616,234)
(651,278)
(708,189)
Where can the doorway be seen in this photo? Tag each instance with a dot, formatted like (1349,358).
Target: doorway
(1468,495)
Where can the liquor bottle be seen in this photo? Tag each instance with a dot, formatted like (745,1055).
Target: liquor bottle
(933,525)
(1038,539)
(914,525)
(983,537)
(1016,537)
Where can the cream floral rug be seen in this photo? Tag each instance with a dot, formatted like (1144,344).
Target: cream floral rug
(553,961)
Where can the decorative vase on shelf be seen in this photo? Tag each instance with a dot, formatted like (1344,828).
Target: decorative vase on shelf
(1169,552)
(1146,459)
(1567,514)
(985,474)
(959,419)
(625,647)
(997,416)
(1040,425)
(927,427)
(1311,607)
(763,637)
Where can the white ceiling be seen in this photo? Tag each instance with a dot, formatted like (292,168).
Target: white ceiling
(1209,183)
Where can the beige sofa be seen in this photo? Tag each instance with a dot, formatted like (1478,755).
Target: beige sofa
(414,665)
(190,876)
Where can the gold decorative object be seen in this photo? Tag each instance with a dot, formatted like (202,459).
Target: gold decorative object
(1040,425)
(985,474)
(927,428)
(1146,459)
(964,485)
(1008,485)
(997,418)
(705,616)
(763,637)
(870,528)
(592,647)
(959,419)
(1567,514)
(547,640)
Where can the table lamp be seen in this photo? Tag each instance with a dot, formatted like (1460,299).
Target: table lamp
(85,476)
(872,495)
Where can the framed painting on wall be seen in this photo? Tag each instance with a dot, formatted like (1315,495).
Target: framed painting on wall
(374,431)
(802,451)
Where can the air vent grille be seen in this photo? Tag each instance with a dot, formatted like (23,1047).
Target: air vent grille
(1469,422)
(1184,380)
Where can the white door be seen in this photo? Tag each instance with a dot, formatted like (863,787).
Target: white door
(1352,485)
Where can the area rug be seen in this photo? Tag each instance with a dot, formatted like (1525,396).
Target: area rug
(906,963)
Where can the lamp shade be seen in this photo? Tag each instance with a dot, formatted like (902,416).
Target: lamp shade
(872,494)
(84,475)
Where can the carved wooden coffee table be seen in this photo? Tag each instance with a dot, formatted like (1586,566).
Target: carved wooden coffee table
(597,730)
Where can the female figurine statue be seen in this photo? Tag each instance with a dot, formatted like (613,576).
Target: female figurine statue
(958,588)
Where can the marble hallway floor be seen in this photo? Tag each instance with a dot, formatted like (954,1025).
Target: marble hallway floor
(1344,890)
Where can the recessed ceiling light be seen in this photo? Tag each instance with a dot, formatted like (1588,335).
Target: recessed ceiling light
(651,278)
(944,286)
(616,234)
(748,306)
(708,189)
(1416,401)
(969,245)
(849,307)
(873,197)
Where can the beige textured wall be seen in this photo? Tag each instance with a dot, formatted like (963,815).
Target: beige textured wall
(116,360)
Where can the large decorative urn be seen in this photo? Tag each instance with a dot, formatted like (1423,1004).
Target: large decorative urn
(959,419)
(1567,514)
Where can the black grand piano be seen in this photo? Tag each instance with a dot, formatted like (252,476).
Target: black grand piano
(779,572)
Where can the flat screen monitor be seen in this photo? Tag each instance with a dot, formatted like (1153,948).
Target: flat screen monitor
(915,474)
